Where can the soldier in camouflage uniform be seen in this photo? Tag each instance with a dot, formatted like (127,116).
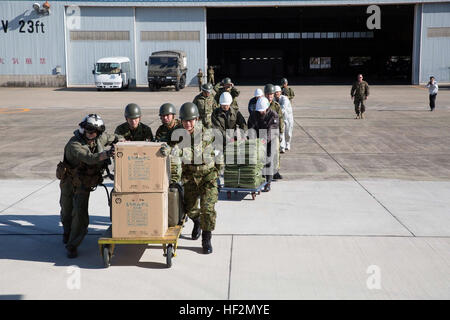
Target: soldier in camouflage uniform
(205,104)
(286,91)
(359,93)
(200,173)
(167,114)
(133,129)
(81,171)
(227,86)
(269,93)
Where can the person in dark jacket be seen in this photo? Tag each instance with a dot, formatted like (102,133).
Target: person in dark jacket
(226,118)
(252,103)
(264,124)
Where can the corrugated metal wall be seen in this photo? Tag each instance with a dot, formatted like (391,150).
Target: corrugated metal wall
(435,42)
(30,44)
(101,32)
(183,22)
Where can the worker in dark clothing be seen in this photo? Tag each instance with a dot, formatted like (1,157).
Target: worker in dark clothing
(264,124)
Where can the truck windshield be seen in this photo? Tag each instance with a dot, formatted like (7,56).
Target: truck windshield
(107,68)
(164,61)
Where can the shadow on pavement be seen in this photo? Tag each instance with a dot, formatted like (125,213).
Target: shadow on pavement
(39,238)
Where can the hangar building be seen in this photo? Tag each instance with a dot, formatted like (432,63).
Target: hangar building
(253,41)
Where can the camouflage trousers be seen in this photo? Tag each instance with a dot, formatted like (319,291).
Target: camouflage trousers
(175,169)
(201,185)
(74,204)
(359,105)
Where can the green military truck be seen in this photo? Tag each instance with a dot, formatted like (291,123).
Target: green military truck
(167,68)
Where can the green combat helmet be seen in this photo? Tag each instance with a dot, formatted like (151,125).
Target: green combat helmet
(132,111)
(283,81)
(167,108)
(207,87)
(226,81)
(188,111)
(269,88)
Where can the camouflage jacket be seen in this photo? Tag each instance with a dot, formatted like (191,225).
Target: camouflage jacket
(360,90)
(275,106)
(206,106)
(233,91)
(164,133)
(196,151)
(142,132)
(286,91)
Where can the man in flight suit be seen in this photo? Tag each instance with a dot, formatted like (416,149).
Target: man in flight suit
(84,161)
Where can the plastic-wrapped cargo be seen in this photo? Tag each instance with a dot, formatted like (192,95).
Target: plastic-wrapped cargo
(244,164)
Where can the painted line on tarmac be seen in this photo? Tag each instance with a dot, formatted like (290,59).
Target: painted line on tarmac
(15,110)
(354,178)
(12,205)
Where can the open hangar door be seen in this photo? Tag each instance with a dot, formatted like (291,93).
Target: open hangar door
(310,45)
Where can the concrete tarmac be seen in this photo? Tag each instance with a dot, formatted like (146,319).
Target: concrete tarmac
(362,211)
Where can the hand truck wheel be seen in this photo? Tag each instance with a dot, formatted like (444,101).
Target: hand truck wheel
(169,255)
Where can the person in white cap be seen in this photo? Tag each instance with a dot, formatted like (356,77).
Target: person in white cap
(288,119)
(264,124)
(227,119)
(252,103)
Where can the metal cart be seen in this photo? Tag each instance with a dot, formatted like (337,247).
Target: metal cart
(169,240)
(253,192)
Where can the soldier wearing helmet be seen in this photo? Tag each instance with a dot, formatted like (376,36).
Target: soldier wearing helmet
(169,124)
(205,104)
(167,114)
(199,174)
(85,158)
(286,91)
(133,129)
(227,86)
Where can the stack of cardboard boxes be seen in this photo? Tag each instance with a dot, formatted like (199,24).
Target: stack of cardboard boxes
(139,199)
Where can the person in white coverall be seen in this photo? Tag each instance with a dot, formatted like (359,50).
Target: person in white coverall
(288,119)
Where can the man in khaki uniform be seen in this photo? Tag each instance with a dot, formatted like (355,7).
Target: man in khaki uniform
(269,93)
(286,91)
(206,104)
(200,79)
(227,86)
(359,94)
(211,75)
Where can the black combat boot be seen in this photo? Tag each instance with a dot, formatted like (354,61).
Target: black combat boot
(71,252)
(277,176)
(66,237)
(206,242)
(196,231)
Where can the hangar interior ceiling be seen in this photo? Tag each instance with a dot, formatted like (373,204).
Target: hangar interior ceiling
(310,45)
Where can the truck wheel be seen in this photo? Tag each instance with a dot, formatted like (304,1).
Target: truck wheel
(177,86)
(183,82)
(150,87)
